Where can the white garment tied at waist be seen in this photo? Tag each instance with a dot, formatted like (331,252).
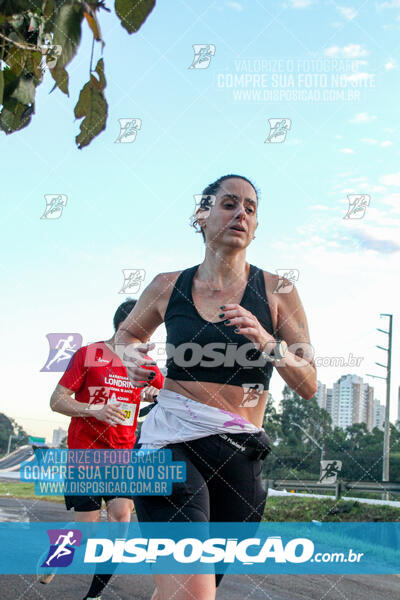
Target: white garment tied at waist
(176,418)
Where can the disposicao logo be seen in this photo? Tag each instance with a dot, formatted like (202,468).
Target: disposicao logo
(62,542)
(191,550)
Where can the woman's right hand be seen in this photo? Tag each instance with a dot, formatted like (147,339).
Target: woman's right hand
(134,359)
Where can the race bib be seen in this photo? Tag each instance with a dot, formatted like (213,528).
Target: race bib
(127,408)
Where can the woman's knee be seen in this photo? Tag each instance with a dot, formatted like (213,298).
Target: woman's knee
(185,587)
(119,510)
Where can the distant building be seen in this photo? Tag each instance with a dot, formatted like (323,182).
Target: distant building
(58,436)
(321,395)
(363,392)
(346,400)
(352,401)
(349,401)
(329,402)
(379,414)
(371,410)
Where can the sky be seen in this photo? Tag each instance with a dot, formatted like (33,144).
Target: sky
(329,71)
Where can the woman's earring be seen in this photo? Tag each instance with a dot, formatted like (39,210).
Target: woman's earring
(254,237)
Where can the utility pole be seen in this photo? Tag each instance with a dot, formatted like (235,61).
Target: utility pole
(388,367)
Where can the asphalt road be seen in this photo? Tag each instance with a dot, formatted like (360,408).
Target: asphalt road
(140,587)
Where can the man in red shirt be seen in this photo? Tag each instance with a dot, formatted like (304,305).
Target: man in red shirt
(103,415)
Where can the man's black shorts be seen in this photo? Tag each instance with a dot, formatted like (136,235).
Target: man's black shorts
(88,503)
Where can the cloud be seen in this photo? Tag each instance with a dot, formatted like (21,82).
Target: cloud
(319,207)
(392,4)
(375,233)
(235,5)
(384,144)
(391,179)
(391,64)
(358,77)
(362,117)
(369,242)
(347,12)
(347,151)
(364,186)
(392,200)
(300,3)
(349,51)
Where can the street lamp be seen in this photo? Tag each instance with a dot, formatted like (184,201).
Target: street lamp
(11,436)
(312,439)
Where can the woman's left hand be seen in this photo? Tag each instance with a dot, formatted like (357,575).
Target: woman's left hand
(245,323)
(149,394)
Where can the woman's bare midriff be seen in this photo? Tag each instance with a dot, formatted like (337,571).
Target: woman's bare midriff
(208,305)
(228,398)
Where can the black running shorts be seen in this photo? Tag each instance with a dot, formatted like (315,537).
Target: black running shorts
(222,484)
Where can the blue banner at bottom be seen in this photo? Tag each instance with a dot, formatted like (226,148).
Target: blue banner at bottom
(247,548)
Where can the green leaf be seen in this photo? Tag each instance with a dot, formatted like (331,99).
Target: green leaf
(48,8)
(67,34)
(16,59)
(25,91)
(60,76)
(1,86)
(17,21)
(32,65)
(10,83)
(133,14)
(67,31)
(92,107)
(33,23)
(15,116)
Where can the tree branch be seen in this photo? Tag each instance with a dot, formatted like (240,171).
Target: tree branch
(19,45)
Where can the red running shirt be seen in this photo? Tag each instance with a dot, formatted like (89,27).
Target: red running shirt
(98,377)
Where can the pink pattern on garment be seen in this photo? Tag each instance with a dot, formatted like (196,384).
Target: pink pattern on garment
(236,420)
(191,413)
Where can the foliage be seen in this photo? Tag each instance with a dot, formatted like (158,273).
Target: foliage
(295,456)
(293,508)
(22,489)
(10,427)
(46,35)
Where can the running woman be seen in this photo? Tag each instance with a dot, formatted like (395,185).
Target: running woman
(103,415)
(226,328)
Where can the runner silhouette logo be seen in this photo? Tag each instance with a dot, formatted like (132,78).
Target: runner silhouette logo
(62,347)
(61,551)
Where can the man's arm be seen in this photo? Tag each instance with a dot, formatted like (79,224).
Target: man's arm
(61,401)
(298,370)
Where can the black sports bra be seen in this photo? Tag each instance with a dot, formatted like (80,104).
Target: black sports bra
(200,350)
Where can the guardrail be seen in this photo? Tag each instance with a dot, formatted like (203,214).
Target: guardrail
(339,487)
